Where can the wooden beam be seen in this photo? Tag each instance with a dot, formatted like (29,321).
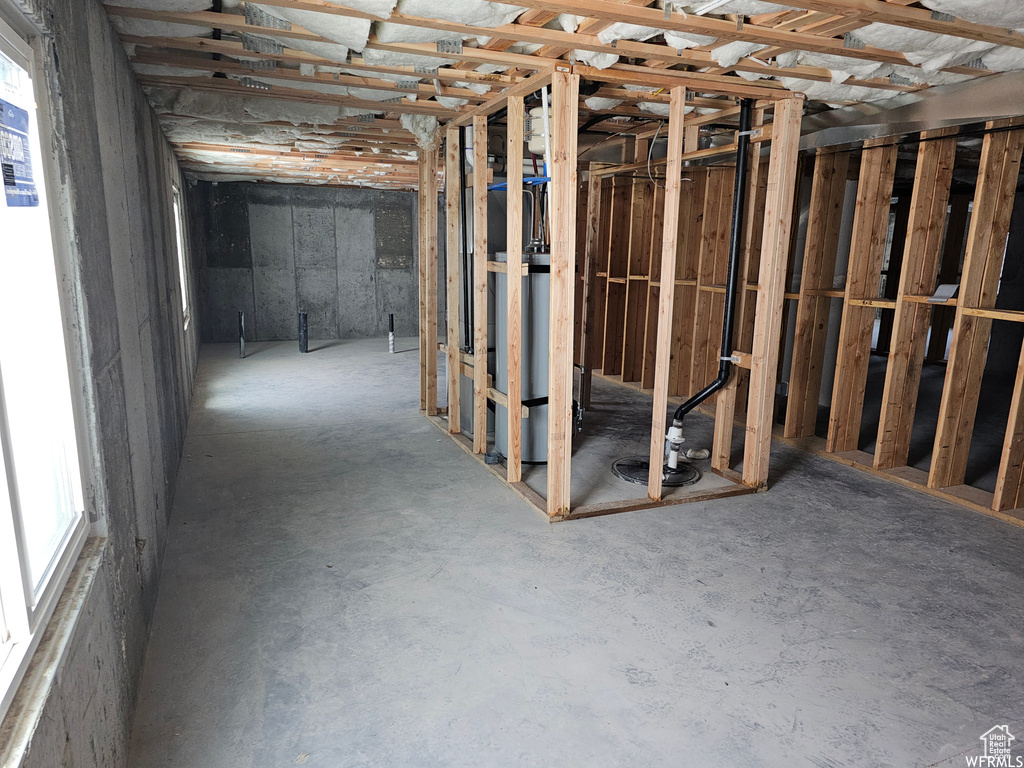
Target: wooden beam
(825,213)
(290,74)
(1009,491)
(591,261)
(778,219)
(735,390)
(480,284)
(223,85)
(514,283)
(927,222)
(428,218)
(565,90)
(667,291)
(998,173)
(421,257)
(913,18)
(867,250)
(453,253)
(713,27)
(520,89)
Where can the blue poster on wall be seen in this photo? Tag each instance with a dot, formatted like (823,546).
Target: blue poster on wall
(15,158)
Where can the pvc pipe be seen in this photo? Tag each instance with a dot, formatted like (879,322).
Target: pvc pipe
(303,333)
(241,334)
(547,150)
(391,334)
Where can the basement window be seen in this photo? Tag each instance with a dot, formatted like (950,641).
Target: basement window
(42,512)
(179,239)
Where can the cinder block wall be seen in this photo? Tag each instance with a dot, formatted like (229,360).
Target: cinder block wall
(135,371)
(346,257)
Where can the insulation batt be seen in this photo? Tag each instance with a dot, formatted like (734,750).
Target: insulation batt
(569,22)
(451,102)
(351,33)
(727,55)
(378,75)
(929,50)
(841,67)
(328,51)
(166,5)
(683,40)
(999,13)
(623,31)
(478,13)
(834,95)
(594,59)
(423,127)
(391,59)
(1004,59)
(746,7)
(148,28)
(921,77)
(662,110)
(600,103)
(161,71)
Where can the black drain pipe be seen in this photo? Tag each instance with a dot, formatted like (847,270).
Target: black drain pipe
(467,263)
(728,322)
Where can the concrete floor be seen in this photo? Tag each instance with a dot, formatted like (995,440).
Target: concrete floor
(343,586)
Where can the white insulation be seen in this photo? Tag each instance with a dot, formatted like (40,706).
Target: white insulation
(423,127)
(477,13)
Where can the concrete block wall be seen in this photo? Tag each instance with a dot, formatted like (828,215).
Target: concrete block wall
(134,373)
(273,251)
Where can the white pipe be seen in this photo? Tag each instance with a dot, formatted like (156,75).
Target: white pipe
(547,150)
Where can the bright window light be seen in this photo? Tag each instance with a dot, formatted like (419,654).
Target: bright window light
(42,511)
(179,239)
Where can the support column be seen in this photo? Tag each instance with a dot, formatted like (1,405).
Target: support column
(480,284)
(453,193)
(562,166)
(778,220)
(514,281)
(428,220)
(925,226)
(667,293)
(825,217)
(867,250)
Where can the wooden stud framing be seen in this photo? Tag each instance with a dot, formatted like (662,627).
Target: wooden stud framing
(778,218)
(591,259)
(453,258)
(562,164)
(422,272)
(735,390)
(480,284)
(514,281)
(925,227)
(986,241)
(428,221)
(867,249)
(1009,492)
(820,245)
(666,294)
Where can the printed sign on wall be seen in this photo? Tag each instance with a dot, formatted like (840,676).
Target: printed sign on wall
(15,158)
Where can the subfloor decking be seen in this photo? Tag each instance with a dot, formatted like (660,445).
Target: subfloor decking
(343,586)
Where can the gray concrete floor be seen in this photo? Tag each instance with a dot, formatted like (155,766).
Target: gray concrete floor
(343,586)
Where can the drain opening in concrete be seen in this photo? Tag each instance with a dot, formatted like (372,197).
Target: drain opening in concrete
(635,469)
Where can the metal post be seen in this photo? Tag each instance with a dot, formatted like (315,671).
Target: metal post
(391,334)
(241,334)
(303,333)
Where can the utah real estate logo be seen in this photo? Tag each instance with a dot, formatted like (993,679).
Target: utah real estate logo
(997,750)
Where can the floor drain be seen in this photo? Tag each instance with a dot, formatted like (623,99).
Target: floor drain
(635,469)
